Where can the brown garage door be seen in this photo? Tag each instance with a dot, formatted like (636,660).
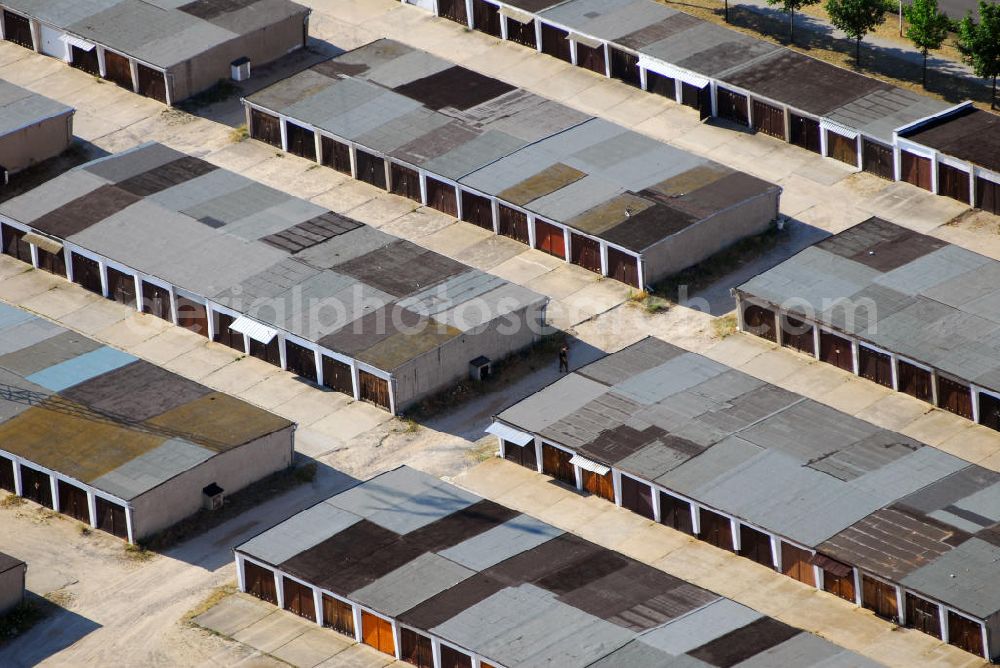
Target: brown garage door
(36,486)
(965,633)
(111,518)
(836,350)
(338,616)
(299,599)
(300,360)
(915,170)
(989,411)
(913,380)
(623,267)
(590,58)
(877,159)
(452,658)
(152,83)
(54,263)
(625,67)
(371,169)
(987,195)
(259,582)
(73,502)
(697,98)
(661,85)
(117,69)
(953,183)
(192,315)
(637,496)
(336,155)
(795,563)
(477,210)
(955,397)
(454,10)
(922,615)
(266,352)
(6,474)
(599,485)
(337,376)
(486,17)
(522,33)
(875,366)
(841,586)
(14,244)
(521,454)
(301,141)
(85,60)
(805,133)
(676,513)
(226,336)
(87,273)
(842,148)
(555,462)
(585,252)
(415,648)
(265,127)
(798,335)
(17,29)
(879,597)
(732,106)
(405,181)
(377,632)
(768,119)
(441,196)
(550,239)
(716,530)
(756,546)
(121,287)
(759,321)
(555,42)
(374,389)
(156,301)
(513,223)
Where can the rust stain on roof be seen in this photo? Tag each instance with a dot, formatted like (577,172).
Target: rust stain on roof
(544,182)
(610,214)
(692,179)
(396,350)
(226,421)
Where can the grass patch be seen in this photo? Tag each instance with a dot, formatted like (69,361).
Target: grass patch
(212,600)
(22,618)
(239,133)
(137,553)
(12,501)
(220,92)
(234,505)
(724,326)
(505,373)
(651,304)
(708,271)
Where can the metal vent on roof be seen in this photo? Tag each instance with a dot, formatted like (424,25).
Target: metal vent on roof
(509,434)
(588,465)
(44,243)
(255,330)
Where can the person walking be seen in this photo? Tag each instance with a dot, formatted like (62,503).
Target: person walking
(564,359)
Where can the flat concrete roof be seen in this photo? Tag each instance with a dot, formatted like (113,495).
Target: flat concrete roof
(777,460)
(266,254)
(20,108)
(106,418)
(560,164)
(968,134)
(513,589)
(162,33)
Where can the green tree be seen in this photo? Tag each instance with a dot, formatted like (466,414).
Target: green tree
(980,43)
(857,18)
(790,7)
(928,27)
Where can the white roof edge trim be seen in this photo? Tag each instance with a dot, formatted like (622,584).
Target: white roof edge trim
(587,465)
(509,433)
(838,128)
(76,41)
(518,15)
(255,330)
(672,71)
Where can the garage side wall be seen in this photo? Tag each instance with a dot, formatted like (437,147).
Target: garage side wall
(449,363)
(36,143)
(261,47)
(993,634)
(697,242)
(11,588)
(232,470)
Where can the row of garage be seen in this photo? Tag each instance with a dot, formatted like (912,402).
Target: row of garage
(887,600)
(95,59)
(851,118)
(81,502)
(348,618)
(886,368)
(444,195)
(149,295)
